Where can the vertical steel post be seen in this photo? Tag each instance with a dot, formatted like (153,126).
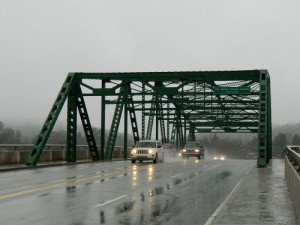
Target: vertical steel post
(269,118)
(263,142)
(126,121)
(168,123)
(143,111)
(156,115)
(184,138)
(71,126)
(102,122)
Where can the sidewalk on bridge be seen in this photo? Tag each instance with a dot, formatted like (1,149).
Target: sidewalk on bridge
(261,197)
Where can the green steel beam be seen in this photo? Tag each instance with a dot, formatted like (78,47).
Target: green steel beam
(71,126)
(192,136)
(186,100)
(150,121)
(43,136)
(103,125)
(143,112)
(86,124)
(199,76)
(131,109)
(214,101)
(264,133)
(115,123)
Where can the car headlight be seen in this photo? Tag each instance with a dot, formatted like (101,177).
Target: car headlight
(150,151)
(215,158)
(196,150)
(222,158)
(133,151)
(184,150)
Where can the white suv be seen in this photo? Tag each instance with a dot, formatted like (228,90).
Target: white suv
(147,150)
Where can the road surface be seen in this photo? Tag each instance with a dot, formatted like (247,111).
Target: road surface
(173,192)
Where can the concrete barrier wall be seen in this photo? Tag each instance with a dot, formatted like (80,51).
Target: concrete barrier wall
(293,182)
(13,156)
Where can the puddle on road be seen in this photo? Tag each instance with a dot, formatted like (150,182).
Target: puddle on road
(222,176)
(159,190)
(89,183)
(102,217)
(142,197)
(44,195)
(70,189)
(124,207)
(146,208)
(177,181)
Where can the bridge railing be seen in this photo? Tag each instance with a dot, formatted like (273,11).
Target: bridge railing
(292,174)
(18,153)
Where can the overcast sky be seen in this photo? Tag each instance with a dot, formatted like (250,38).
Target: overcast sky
(41,41)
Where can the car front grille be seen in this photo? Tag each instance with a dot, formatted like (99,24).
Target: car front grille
(142,152)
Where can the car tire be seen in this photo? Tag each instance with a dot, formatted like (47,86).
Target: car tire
(199,157)
(155,160)
(140,161)
(133,161)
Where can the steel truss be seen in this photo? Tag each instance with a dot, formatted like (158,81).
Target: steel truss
(173,103)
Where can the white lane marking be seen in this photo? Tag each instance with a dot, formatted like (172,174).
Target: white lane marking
(176,175)
(110,201)
(218,210)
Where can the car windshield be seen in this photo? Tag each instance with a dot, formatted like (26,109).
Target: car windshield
(188,145)
(145,145)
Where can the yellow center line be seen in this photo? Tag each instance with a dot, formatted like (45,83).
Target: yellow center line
(67,182)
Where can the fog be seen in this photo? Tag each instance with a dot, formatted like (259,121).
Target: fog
(42,41)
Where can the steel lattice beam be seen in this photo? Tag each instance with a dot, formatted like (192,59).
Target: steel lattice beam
(216,101)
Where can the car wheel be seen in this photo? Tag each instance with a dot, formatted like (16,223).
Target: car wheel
(140,161)
(199,157)
(133,161)
(155,160)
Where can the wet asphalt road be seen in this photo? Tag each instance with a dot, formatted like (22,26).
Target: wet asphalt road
(173,192)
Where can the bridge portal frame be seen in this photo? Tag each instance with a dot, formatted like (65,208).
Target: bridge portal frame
(178,102)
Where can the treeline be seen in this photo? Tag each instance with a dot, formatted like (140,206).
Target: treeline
(8,135)
(60,137)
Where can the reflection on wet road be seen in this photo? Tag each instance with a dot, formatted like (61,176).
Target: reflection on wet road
(174,192)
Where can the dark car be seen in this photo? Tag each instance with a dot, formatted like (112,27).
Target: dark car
(193,149)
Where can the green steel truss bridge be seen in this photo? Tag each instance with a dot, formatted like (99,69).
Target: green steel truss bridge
(170,106)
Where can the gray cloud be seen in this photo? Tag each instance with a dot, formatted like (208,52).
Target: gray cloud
(41,41)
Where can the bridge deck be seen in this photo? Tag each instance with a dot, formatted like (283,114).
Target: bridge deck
(261,197)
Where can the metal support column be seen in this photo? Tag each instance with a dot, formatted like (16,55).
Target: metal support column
(263,136)
(102,150)
(125,121)
(71,127)
(143,111)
